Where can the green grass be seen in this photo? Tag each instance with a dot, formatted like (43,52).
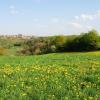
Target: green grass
(58,76)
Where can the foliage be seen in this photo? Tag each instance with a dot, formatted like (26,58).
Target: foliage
(11,44)
(85,42)
(60,42)
(2,51)
(89,41)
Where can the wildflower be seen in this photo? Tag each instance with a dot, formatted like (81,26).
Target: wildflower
(23,94)
(90,98)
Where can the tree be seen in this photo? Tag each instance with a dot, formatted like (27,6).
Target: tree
(60,42)
(88,41)
(85,42)
(41,45)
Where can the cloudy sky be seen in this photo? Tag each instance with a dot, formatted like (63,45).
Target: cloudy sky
(49,17)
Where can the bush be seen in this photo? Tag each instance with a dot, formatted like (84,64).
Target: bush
(2,51)
(17,44)
(53,48)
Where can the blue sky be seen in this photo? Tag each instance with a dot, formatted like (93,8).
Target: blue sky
(49,17)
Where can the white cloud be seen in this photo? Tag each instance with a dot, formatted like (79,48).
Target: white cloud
(76,25)
(89,27)
(97,15)
(85,22)
(86,17)
(13,10)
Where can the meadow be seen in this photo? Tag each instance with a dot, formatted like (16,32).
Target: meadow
(56,76)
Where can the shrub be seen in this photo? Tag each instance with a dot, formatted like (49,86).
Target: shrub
(53,48)
(2,51)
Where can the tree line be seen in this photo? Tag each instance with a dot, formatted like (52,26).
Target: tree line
(89,41)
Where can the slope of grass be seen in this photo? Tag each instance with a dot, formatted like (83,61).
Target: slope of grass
(66,76)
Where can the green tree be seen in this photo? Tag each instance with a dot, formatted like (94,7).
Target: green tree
(60,42)
(89,41)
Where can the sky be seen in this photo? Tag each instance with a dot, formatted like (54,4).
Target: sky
(49,17)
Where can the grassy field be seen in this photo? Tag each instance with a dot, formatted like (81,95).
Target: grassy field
(58,76)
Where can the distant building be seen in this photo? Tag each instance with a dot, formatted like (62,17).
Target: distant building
(19,35)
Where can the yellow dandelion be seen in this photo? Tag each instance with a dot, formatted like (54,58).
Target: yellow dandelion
(23,94)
